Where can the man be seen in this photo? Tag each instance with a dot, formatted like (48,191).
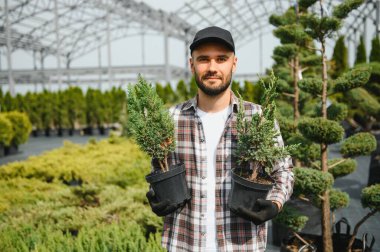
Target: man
(206,140)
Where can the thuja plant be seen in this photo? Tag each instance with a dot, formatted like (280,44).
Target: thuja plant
(257,149)
(150,122)
(323,130)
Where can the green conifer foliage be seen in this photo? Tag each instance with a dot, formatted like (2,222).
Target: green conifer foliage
(149,122)
(375,50)
(193,87)
(182,91)
(361,53)
(339,58)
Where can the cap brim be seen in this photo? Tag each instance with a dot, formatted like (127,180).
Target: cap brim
(197,43)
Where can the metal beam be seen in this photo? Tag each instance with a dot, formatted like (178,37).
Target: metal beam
(9,50)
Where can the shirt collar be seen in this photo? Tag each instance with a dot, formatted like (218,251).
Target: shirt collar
(192,103)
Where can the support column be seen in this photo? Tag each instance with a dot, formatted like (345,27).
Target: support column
(35,68)
(68,62)
(377,17)
(261,53)
(100,65)
(187,67)
(57,35)
(143,44)
(9,51)
(42,70)
(167,64)
(110,75)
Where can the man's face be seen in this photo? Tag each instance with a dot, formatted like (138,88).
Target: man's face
(212,65)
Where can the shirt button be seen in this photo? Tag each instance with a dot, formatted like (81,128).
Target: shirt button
(202,215)
(202,140)
(203,233)
(203,177)
(203,196)
(199,123)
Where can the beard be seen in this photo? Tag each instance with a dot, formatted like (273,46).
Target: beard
(212,90)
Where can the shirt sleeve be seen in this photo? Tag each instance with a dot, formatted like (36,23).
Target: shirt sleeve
(283,176)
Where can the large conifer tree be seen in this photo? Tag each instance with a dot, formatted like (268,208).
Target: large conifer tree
(375,50)
(361,53)
(339,58)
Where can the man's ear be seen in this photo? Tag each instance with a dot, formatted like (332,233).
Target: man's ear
(234,64)
(191,64)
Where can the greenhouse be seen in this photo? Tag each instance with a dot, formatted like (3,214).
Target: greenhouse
(101,101)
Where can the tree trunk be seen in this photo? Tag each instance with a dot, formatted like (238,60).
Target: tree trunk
(326,223)
(296,113)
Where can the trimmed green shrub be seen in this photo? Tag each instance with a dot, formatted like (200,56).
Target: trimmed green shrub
(307,151)
(338,167)
(342,10)
(352,79)
(337,112)
(359,144)
(311,85)
(289,217)
(290,33)
(21,126)
(338,199)
(347,167)
(311,182)
(287,127)
(321,130)
(286,50)
(371,197)
(6,132)
(362,99)
(306,3)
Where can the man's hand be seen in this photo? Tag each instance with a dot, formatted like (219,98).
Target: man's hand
(267,210)
(160,208)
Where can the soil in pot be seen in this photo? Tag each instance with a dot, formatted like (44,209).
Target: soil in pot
(244,193)
(170,185)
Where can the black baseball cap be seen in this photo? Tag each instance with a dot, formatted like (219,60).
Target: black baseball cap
(213,34)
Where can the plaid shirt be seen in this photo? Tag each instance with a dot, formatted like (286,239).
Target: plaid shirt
(185,229)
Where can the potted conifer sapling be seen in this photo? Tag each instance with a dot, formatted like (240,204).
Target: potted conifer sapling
(257,151)
(152,127)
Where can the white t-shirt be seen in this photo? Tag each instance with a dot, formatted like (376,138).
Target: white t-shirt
(213,127)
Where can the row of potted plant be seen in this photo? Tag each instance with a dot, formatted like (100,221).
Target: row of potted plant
(15,130)
(69,110)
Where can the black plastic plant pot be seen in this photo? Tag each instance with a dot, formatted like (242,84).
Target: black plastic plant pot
(170,185)
(244,193)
